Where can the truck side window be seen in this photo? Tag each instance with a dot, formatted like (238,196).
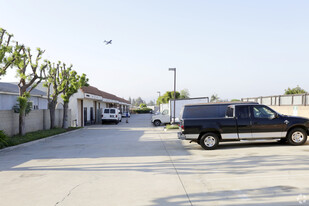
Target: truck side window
(165,112)
(229,112)
(242,112)
(262,112)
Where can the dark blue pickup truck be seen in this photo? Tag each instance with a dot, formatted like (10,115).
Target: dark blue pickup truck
(209,124)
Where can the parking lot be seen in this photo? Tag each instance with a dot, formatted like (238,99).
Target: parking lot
(138,164)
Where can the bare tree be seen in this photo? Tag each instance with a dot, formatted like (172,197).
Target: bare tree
(8,53)
(54,81)
(28,79)
(71,84)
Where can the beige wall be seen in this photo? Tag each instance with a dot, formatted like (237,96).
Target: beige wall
(35,120)
(302,111)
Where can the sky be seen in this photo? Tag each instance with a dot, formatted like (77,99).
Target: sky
(232,48)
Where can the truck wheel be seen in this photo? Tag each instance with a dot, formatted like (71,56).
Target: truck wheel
(157,123)
(209,141)
(297,136)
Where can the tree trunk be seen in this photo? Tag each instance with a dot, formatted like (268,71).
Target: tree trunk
(52,110)
(65,115)
(22,131)
(22,114)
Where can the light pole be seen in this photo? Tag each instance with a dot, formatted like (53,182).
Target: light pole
(174,69)
(159,97)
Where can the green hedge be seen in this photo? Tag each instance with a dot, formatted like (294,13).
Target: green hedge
(141,111)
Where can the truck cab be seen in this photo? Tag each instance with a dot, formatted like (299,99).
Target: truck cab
(257,122)
(161,118)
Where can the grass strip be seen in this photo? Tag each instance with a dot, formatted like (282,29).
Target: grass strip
(173,126)
(31,136)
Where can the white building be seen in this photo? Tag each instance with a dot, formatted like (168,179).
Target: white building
(87,104)
(9,93)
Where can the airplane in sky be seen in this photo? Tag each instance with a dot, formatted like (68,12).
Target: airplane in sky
(108,42)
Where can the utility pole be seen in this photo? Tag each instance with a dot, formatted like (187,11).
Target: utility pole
(174,116)
(159,97)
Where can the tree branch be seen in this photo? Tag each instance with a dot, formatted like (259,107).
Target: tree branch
(9,39)
(2,35)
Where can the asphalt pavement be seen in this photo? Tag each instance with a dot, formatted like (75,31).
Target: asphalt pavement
(136,163)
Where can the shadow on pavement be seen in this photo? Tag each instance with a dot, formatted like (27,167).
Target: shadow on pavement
(138,138)
(275,196)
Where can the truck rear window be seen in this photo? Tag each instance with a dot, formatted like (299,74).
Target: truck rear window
(113,111)
(209,111)
(106,111)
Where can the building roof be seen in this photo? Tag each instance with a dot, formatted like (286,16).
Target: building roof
(106,95)
(13,88)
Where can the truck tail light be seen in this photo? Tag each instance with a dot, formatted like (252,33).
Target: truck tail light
(182,127)
(102,115)
(116,116)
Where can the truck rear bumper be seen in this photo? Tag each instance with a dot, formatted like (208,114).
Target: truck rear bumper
(187,136)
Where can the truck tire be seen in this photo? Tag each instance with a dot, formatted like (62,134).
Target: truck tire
(209,141)
(297,136)
(157,123)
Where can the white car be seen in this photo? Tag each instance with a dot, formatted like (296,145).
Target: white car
(111,115)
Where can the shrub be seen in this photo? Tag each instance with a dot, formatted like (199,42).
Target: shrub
(141,111)
(3,139)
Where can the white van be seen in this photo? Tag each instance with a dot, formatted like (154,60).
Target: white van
(111,115)
(119,115)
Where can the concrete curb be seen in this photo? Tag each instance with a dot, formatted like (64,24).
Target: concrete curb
(36,141)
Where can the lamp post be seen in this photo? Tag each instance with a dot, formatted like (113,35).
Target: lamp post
(174,70)
(159,97)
